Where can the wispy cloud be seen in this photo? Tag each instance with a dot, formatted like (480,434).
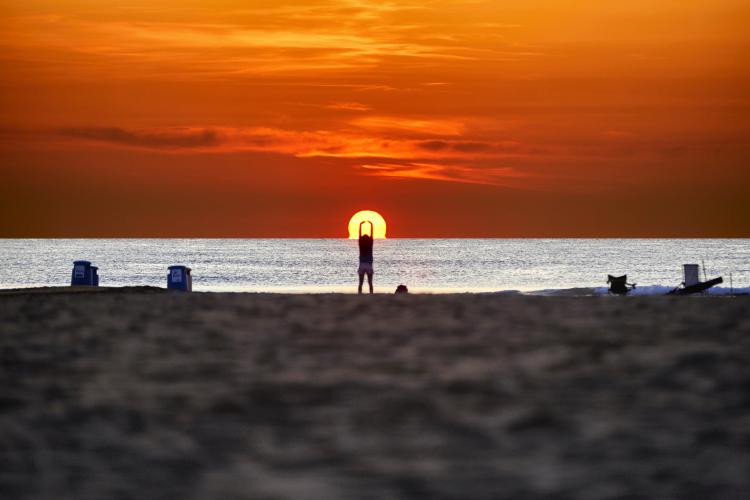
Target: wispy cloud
(423,126)
(438,160)
(496,176)
(304,144)
(166,41)
(176,138)
(349,106)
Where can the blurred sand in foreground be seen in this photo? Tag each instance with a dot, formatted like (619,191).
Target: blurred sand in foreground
(130,394)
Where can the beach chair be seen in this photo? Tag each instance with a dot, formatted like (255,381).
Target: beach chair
(618,285)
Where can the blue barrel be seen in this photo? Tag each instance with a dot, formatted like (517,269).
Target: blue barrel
(179,278)
(82,274)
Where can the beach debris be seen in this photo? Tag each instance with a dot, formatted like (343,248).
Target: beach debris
(84,274)
(697,288)
(401,289)
(691,281)
(618,285)
(179,278)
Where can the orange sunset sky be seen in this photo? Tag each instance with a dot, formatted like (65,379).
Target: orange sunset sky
(451,118)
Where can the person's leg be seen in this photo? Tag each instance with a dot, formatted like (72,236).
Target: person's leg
(361,280)
(369,281)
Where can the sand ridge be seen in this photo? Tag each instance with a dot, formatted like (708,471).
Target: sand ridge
(127,394)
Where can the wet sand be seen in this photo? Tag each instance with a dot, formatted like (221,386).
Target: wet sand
(139,393)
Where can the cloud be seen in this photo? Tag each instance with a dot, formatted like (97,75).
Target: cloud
(158,42)
(424,126)
(448,160)
(176,138)
(496,176)
(336,143)
(463,146)
(349,106)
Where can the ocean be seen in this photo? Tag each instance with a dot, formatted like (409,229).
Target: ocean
(424,265)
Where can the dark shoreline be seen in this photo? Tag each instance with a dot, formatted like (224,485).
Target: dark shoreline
(147,289)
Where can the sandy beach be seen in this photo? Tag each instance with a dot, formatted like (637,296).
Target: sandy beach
(139,393)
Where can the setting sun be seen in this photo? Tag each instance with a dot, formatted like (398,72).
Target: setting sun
(378,224)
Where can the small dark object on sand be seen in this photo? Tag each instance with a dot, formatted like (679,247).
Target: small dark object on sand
(699,287)
(401,289)
(619,284)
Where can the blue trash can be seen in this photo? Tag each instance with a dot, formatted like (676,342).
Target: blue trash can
(83,274)
(179,278)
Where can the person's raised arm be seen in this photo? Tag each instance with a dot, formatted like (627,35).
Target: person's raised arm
(372,229)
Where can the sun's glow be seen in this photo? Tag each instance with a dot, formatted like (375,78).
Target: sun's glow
(378,224)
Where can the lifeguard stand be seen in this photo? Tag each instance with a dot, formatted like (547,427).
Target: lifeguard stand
(84,274)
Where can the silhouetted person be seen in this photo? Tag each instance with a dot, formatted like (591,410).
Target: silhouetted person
(365,256)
